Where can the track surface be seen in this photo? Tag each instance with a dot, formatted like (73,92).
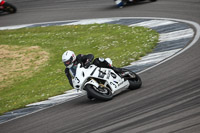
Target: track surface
(169,100)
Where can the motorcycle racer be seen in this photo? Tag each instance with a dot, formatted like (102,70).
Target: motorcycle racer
(7,7)
(71,61)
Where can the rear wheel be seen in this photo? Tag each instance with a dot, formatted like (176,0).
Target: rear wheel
(101,93)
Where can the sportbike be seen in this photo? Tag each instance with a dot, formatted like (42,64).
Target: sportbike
(7,7)
(122,3)
(103,83)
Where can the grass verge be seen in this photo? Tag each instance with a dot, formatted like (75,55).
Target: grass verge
(31,66)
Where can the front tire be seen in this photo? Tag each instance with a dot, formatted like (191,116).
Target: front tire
(93,92)
(135,83)
(134,80)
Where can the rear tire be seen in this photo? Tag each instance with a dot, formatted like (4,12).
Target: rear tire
(92,92)
(153,0)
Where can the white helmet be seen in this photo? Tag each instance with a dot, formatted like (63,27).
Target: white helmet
(68,58)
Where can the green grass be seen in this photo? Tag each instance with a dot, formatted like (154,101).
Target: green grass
(121,43)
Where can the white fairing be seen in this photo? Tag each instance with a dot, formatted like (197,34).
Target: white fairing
(85,76)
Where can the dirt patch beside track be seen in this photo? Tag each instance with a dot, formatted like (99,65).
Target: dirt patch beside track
(19,62)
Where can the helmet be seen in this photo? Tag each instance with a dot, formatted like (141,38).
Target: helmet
(68,58)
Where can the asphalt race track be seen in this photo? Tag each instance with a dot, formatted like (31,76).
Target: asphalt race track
(169,100)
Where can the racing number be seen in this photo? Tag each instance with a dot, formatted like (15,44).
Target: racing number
(78,81)
(111,83)
(101,74)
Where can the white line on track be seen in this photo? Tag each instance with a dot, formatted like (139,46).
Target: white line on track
(154,23)
(176,35)
(91,21)
(60,98)
(154,57)
(14,27)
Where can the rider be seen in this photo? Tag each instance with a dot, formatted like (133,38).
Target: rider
(71,61)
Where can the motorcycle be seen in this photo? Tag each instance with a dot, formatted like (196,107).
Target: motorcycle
(122,3)
(104,83)
(7,7)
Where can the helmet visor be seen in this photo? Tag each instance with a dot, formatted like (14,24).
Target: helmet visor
(69,62)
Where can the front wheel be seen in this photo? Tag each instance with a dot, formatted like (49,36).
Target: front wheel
(134,79)
(101,93)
